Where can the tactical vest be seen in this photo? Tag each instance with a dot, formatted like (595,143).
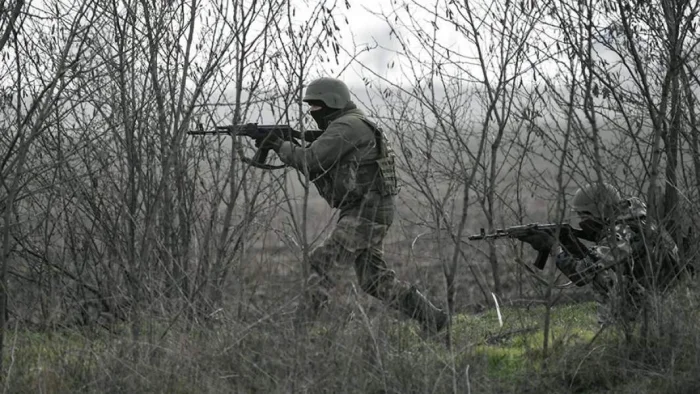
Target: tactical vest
(348,181)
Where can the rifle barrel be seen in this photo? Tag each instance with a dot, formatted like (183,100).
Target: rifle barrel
(203,132)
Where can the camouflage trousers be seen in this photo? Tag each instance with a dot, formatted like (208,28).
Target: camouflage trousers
(620,298)
(358,241)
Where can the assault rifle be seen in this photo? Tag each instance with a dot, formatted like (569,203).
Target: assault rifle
(259,133)
(568,238)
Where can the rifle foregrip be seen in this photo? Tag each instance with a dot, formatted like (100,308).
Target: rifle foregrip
(542,257)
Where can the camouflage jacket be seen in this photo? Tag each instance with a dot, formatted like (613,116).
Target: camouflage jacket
(351,165)
(634,246)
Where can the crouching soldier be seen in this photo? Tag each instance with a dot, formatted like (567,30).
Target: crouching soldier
(632,256)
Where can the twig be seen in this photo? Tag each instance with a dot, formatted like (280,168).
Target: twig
(499,337)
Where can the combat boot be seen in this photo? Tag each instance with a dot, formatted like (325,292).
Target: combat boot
(416,306)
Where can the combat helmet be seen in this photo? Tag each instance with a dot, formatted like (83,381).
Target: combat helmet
(599,200)
(332,92)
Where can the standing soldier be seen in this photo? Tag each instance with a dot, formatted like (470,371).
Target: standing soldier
(352,166)
(632,256)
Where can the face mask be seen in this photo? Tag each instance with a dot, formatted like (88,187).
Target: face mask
(321,116)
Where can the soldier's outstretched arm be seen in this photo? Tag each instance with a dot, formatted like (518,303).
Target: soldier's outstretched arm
(339,139)
(611,251)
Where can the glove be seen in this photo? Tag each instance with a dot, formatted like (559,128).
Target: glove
(540,241)
(271,141)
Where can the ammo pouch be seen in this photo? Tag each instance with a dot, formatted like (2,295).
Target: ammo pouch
(385,181)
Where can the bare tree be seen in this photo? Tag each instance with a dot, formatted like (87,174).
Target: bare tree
(453,121)
(42,74)
(135,218)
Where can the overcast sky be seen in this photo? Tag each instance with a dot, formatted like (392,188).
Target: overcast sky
(370,23)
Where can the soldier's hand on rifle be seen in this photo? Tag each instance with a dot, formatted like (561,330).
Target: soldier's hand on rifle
(539,240)
(271,141)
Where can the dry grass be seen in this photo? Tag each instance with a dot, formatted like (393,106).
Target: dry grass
(360,347)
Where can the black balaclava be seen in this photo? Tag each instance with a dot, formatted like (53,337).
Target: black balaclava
(321,115)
